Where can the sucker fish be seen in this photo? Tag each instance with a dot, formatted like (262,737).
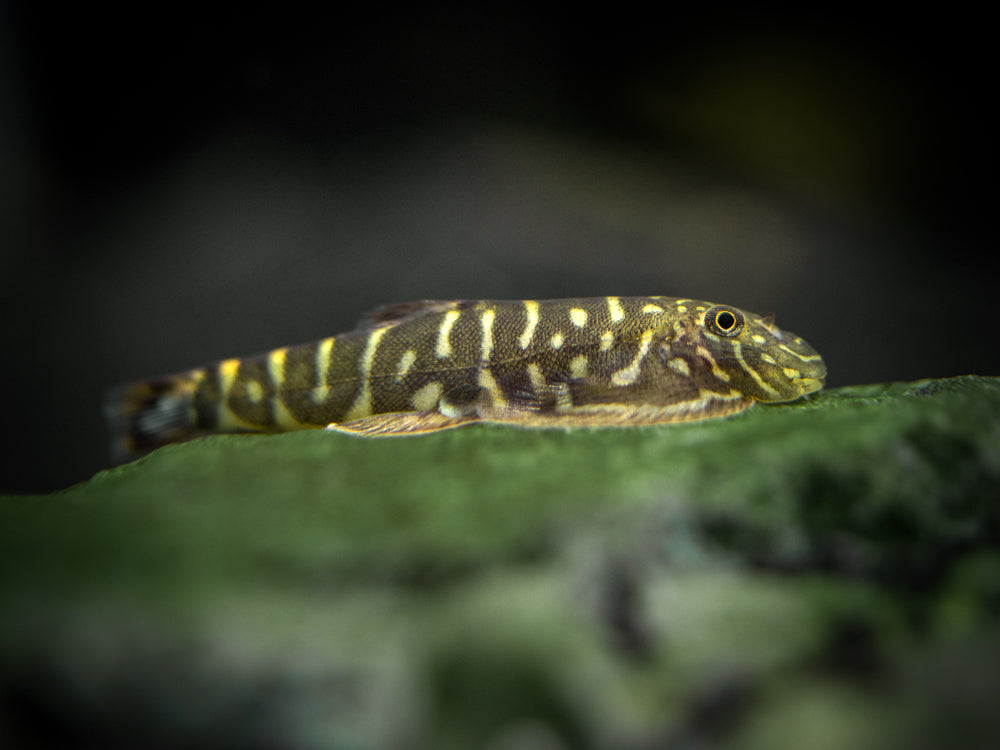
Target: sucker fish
(419,367)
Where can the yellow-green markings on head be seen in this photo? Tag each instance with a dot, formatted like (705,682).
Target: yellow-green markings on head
(426,366)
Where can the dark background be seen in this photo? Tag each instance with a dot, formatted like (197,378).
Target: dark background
(180,186)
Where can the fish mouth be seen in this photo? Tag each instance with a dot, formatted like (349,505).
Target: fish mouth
(809,385)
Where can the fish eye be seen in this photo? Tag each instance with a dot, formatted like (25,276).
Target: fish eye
(724,321)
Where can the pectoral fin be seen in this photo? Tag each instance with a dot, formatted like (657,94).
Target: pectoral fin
(399,424)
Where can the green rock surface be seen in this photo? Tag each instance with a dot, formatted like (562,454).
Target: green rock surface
(824,574)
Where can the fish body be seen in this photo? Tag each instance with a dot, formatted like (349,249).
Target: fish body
(424,366)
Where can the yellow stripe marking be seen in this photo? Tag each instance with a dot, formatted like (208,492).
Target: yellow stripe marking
(426,399)
(405,363)
(443,348)
(768,358)
(652,309)
(563,400)
(578,316)
(276,370)
(536,378)
(790,373)
(487,381)
(803,357)
(323,353)
(227,374)
(486,347)
(628,375)
(557,340)
(679,366)
(578,366)
(531,311)
(607,341)
(362,406)
(738,352)
(450,410)
(615,310)
(707,356)
(228,419)
(276,367)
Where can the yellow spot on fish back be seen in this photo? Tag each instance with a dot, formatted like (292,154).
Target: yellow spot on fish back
(487,342)
(531,312)
(578,316)
(405,363)
(557,340)
(607,341)
(578,366)
(362,406)
(443,348)
(615,310)
(791,373)
(427,397)
(758,339)
(768,358)
(628,375)
(652,309)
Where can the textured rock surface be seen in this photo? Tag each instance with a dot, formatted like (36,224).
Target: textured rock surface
(820,575)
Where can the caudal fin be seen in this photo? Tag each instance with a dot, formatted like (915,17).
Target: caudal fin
(147,414)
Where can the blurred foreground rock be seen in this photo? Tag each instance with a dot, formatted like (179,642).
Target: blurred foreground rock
(819,575)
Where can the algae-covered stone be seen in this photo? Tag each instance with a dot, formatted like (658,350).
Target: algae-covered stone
(796,571)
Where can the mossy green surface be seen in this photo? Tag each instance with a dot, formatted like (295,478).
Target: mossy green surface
(805,570)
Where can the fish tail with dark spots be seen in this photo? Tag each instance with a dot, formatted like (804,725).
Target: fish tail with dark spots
(149,413)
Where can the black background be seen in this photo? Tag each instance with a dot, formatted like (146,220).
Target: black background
(179,185)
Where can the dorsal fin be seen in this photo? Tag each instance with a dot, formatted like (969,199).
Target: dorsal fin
(400,311)
(768,321)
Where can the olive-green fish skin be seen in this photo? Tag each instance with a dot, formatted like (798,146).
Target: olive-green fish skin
(424,366)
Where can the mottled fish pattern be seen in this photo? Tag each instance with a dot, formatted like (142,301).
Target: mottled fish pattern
(425,366)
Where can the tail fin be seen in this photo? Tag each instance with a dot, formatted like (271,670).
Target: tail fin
(147,414)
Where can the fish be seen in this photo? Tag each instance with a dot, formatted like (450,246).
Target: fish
(418,367)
